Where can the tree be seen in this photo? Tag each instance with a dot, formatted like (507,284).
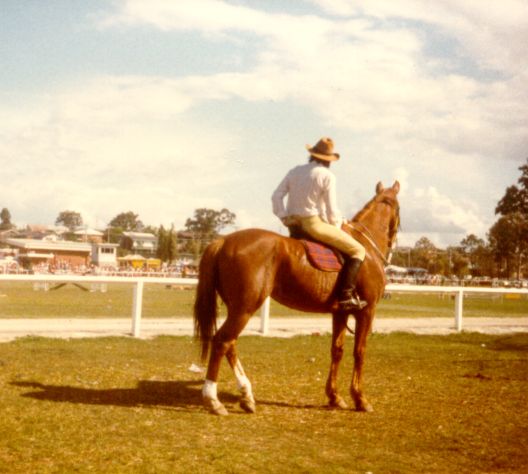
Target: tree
(478,254)
(172,245)
(424,255)
(69,219)
(127,221)
(457,262)
(402,257)
(515,198)
(508,239)
(509,235)
(471,243)
(5,217)
(205,226)
(167,244)
(149,229)
(207,223)
(161,252)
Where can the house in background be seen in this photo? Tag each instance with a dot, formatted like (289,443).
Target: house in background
(140,243)
(85,234)
(38,232)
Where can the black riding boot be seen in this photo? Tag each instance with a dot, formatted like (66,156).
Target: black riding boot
(347,297)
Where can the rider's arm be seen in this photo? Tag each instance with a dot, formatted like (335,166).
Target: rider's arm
(277,199)
(333,214)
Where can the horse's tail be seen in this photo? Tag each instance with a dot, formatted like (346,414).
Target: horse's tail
(205,304)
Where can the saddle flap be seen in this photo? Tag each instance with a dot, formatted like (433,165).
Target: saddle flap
(323,257)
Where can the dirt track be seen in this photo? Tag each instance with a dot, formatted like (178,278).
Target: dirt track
(278,327)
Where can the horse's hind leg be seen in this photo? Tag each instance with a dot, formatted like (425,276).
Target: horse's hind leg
(222,343)
(339,323)
(209,390)
(247,401)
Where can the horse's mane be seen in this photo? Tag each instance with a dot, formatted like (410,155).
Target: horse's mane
(366,209)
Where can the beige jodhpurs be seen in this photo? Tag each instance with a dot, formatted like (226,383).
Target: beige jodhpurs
(333,236)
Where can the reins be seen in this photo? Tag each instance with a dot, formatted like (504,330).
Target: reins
(370,239)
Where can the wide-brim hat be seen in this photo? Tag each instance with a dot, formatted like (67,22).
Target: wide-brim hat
(323,150)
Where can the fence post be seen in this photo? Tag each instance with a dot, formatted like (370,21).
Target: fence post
(459,308)
(136,308)
(264,316)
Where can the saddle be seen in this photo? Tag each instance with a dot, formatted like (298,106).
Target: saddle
(321,256)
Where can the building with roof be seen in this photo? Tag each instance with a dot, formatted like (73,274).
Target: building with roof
(54,253)
(140,243)
(40,231)
(104,255)
(86,234)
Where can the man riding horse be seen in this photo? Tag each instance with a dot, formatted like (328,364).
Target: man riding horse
(248,266)
(311,206)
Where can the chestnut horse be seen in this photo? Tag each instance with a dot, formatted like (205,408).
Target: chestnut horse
(247,266)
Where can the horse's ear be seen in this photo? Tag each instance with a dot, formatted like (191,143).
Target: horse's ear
(379,188)
(396,186)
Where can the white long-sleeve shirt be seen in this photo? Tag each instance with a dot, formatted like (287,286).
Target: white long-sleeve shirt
(311,191)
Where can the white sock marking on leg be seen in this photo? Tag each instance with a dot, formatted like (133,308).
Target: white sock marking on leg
(243,383)
(209,390)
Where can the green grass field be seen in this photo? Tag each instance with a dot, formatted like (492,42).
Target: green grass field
(442,404)
(21,300)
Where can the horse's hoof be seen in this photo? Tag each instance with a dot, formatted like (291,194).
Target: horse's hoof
(338,403)
(365,407)
(248,405)
(215,407)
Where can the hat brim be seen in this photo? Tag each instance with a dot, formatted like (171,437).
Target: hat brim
(320,156)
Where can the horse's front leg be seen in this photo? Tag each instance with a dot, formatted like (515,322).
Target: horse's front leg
(339,322)
(363,324)
(247,401)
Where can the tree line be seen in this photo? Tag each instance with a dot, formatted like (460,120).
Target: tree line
(503,254)
(202,228)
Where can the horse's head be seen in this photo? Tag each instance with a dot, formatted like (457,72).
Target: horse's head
(389,197)
(382,213)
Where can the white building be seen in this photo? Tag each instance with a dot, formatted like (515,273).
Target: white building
(104,255)
(140,242)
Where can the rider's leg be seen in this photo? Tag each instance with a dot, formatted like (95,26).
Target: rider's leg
(354,255)
(347,296)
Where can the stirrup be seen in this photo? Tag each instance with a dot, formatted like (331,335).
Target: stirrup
(350,301)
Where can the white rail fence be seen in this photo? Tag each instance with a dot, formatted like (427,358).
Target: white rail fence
(458,291)
(139,283)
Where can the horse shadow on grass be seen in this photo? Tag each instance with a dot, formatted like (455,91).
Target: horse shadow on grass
(179,395)
(182,395)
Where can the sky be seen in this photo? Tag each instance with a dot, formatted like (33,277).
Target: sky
(162,107)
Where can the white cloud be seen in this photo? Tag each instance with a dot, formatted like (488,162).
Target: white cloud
(107,142)
(112,145)
(208,16)
(426,211)
(360,76)
(494,33)
(402,175)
